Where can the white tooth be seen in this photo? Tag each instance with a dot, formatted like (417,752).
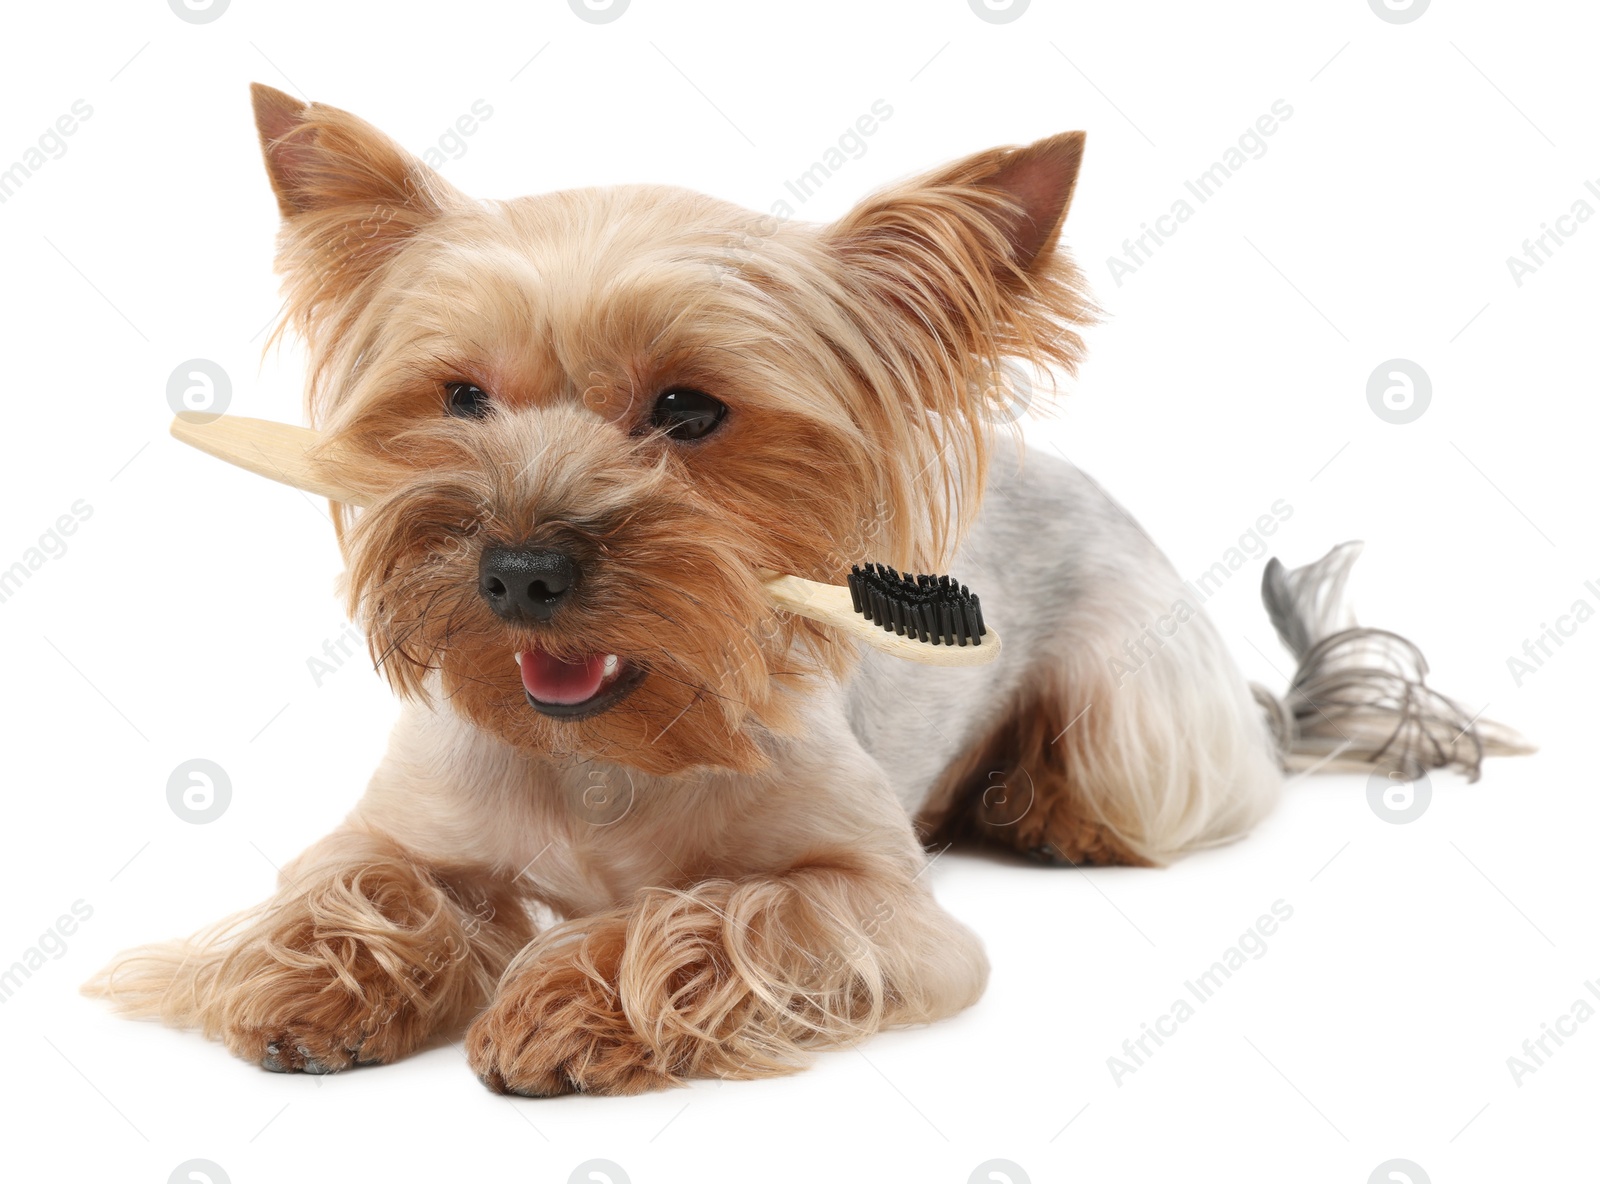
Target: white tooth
(518,660)
(610,667)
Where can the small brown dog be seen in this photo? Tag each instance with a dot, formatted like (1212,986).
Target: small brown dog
(588,424)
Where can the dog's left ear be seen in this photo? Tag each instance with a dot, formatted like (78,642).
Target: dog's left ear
(999,211)
(963,266)
(944,278)
(1039,180)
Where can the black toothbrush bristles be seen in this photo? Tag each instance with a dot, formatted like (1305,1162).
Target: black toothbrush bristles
(934,609)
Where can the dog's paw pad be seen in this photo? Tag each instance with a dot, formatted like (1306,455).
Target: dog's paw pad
(495,1082)
(278,1057)
(310,1064)
(1048,854)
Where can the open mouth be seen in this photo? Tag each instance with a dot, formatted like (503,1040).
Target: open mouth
(578,688)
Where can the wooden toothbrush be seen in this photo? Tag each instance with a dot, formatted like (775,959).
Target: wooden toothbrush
(927,619)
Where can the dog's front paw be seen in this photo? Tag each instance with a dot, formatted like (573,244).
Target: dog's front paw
(359,967)
(557,1027)
(321,1017)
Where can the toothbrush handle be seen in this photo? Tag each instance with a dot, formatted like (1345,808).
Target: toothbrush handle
(279,451)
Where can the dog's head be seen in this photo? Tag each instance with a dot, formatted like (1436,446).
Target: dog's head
(590,423)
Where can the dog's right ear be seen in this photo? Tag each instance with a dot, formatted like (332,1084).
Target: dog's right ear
(322,159)
(350,199)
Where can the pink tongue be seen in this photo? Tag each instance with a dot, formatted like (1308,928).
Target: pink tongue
(550,680)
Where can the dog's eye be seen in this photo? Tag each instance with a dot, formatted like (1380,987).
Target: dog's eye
(687,414)
(466,400)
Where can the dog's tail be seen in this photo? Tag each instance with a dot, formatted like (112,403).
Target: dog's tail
(1359,701)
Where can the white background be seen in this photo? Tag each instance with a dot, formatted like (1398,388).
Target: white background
(1231,373)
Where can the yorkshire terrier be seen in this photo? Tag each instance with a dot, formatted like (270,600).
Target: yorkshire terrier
(636,824)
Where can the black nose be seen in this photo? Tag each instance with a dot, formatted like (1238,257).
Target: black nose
(525,583)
